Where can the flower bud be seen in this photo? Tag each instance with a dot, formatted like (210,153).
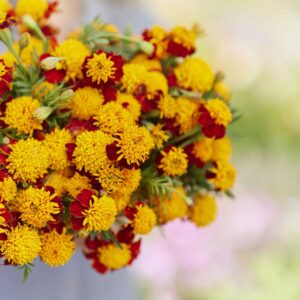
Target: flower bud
(24,40)
(66,95)
(146,47)
(42,113)
(50,62)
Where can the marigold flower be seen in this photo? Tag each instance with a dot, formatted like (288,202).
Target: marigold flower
(92,213)
(170,207)
(156,85)
(134,145)
(56,249)
(73,53)
(203,149)
(108,256)
(149,64)
(167,106)
(173,162)
(76,184)
(113,118)
(203,211)
(159,136)
(8,189)
(114,257)
(133,77)
(101,67)
(85,103)
(157,37)
(215,115)
(19,114)
(90,151)
(131,104)
(222,175)
(121,199)
(58,182)
(115,179)
(56,144)
(221,149)
(5,5)
(43,89)
(34,8)
(182,41)
(22,245)
(194,74)
(38,206)
(28,160)
(187,114)
(142,217)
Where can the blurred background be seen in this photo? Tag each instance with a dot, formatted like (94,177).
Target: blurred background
(252,250)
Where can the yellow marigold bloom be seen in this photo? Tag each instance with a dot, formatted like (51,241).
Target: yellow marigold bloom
(134,144)
(73,53)
(43,89)
(34,8)
(114,179)
(131,104)
(57,181)
(36,206)
(76,184)
(56,144)
(183,36)
(57,249)
(219,111)
(144,219)
(159,136)
(86,103)
(194,74)
(225,174)
(121,199)
(8,189)
(221,149)
(100,68)
(113,118)
(174,162)
(114,257)
(22,245)
(90,151)
(28,160)
(157,36)
(149,64)
(5,6)
(155,83)
(101,213)
(187,114)
(133,76)
(203,149)
(19,114)
(222,90)
(167,106)
(203,211)
(169,208)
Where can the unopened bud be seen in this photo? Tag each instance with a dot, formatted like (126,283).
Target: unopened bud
(50,62)
(66,95)
(146,47)
(42,113)
(6,140)
(24,40)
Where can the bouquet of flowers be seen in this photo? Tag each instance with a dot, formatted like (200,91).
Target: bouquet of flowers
(104,136)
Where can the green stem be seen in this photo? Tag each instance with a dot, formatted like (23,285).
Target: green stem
(194,131)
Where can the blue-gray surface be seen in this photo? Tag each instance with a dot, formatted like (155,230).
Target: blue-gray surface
(75,281)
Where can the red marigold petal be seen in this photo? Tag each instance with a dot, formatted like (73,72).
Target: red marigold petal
(84,197)
(77,223)
(99,267)
(76,209)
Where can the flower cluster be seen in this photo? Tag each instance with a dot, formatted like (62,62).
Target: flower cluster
(104,136)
